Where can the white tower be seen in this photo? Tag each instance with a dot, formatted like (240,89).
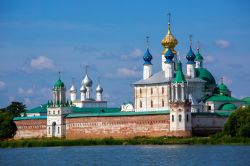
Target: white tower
(87,82)
(180,112)
(147,66)
(73,92)
(190,64)
(99,91)
(168,66)
(83,91)
(56,110)
(198,59)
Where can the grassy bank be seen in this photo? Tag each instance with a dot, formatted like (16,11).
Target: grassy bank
(50,142)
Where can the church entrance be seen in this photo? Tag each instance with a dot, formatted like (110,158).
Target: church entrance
(53,129)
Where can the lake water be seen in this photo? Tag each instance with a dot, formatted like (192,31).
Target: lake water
(127,155)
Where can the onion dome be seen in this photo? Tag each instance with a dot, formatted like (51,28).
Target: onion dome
(72,88)
(87,81)
(59,84)
(228,107)
(147,58)
(179,77)
(190,56)
(169,56)
(99,88)
(169,41)
(205,75)
(198,56)
(83,89)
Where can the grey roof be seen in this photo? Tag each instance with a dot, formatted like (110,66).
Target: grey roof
(196,80)
(156,78)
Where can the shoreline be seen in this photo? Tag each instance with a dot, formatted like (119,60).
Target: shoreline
(53,142)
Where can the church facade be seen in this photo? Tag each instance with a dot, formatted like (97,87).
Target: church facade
(169,102)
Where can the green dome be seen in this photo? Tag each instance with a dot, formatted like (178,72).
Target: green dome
(223,89)
(228,107)
(59,84)
(198,57)
(204,74)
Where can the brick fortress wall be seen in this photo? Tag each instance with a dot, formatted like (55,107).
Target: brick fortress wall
(117,127)
(31,128)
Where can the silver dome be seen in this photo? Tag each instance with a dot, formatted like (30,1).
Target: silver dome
(72,88)
(87,81)
(99,88)
(83,89)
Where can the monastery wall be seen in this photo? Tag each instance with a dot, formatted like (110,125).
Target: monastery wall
(118,126)
(31,128)
(205,125)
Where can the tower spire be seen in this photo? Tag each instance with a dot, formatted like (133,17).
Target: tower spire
(147,41)
(86,69)
(169,14)
(190,40)
(59,75)
(221,80)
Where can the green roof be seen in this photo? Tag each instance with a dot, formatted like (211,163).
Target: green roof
(228,107)
(223,89)
(204,74)
(222,98)
(179,77)
(59,84)
(198,57)
(40,109)
(119,114)
(30,118)
(94,110)
(246,100)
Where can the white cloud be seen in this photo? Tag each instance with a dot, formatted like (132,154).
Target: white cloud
(209,59)
(27,101)
(222,43)
(124,72)
(133,54)
(26,92)
(42,62)
(2,85)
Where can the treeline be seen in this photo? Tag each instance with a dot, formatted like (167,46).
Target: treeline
(7,126)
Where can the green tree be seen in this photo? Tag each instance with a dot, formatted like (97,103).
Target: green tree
(238,123)
(16,108)
(7,126)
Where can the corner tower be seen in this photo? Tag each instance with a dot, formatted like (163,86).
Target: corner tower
(180,107)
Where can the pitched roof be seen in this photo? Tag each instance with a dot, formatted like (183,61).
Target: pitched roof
(223,98)
(156,78)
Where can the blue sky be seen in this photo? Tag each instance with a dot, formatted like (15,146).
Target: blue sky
(39,38)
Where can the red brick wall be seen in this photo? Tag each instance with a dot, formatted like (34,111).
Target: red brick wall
(117,127)
(31,128)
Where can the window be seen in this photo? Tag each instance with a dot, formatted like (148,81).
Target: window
(49,112)
(209,107)
(49,130)
(162,90)
(151,103)
(180,118)
(54,112)
(172,118)
(140,104)
(187,118)
(151,91)
(162,103)
(140,92)
(58,130)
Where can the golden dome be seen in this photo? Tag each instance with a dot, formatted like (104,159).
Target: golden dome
(169,41)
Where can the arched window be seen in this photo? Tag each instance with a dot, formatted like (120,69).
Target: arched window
(58,130)
(172,118)
(151,103)
(151,91)
(180,118)
(49,112)
(140,92)
(49,130)
(162,90)
(187,118)
(140,104)
(162,103)
(54,112)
